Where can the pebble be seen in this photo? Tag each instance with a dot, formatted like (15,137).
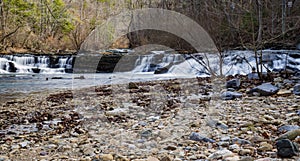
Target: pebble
(245,152)
(174,132)
(152,159)
(234,158)
(170,147)
(107,157)
(223,143)
(220,154)
(117,112)
(146,133)
(197,137)
(3,158)
(228,95)
(264,146)
(296,89)
(234,147)
(240,141)
(246,158)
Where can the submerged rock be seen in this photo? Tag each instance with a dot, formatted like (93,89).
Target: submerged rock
(228,95)
(296,90)
(234,83)
(266,89)
(286,148)
(252,76)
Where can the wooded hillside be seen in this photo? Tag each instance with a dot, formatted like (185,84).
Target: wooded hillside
(52,25)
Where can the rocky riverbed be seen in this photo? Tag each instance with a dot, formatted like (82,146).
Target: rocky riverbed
(180,119)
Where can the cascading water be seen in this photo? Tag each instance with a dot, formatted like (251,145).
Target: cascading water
(160,62)
(23,64)
(234,62)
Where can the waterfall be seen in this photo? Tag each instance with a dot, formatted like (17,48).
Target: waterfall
(45,64)
(158,62)
(234,62)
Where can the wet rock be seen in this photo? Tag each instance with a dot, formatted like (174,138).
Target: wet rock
(197,137)
(117,112)
(57,78)
(228,95)
(296,89)
(80,77)
(286,128)
(162,70)
(252,76)
(133,85)
(266,89)
(286,148)
(234,83)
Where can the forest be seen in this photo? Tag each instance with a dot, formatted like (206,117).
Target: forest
(43,26)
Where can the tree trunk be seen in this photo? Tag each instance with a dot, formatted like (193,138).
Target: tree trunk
(2,24)
(260,23)
(1,16)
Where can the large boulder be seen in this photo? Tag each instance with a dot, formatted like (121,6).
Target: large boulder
(162,70)
(286,148)
(11,67)
(266,89)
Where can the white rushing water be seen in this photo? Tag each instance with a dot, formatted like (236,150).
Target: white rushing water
(200,64)
(17,73)
(26,64)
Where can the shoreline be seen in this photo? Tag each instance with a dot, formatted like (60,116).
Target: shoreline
(144,120)
(74,52)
